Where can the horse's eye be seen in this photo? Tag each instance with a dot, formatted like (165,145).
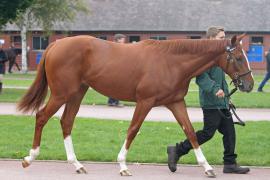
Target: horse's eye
(239,60)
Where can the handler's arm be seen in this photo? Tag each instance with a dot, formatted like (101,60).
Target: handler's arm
(207,84)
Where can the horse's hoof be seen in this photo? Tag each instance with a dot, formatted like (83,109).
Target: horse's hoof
(82,170)
(210,173)
(25,164)
(125,173)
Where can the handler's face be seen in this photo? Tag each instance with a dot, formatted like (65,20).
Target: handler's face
(220,35)
(122,40)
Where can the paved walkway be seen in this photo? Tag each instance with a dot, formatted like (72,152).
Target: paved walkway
(156,114)
(12,170)
(44,170)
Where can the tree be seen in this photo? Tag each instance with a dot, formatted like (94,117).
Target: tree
(10,9)
(45,14)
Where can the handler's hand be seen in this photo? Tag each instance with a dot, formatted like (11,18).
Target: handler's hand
(220,93)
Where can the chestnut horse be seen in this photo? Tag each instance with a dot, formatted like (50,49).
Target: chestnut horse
(151,73)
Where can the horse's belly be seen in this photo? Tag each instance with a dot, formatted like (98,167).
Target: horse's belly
(118,89)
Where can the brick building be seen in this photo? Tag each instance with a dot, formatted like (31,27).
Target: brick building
(159,19)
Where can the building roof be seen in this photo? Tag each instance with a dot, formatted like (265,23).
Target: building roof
(171,15)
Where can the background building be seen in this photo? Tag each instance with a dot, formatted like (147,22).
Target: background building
(159,19)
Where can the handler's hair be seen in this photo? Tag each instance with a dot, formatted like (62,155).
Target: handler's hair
(213,31)
(119,36)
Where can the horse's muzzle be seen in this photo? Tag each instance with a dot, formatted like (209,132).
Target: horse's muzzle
(246,86)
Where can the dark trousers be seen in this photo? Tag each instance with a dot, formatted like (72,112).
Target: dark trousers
(113,101)
(213,121)
(2,68)
(266,78)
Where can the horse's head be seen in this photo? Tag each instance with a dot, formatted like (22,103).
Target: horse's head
(237,66)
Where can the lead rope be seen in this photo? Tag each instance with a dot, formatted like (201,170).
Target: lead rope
(232,108)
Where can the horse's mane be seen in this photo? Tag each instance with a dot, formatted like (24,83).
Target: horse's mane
(192,46)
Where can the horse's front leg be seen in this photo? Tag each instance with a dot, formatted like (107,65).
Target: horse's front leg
(141,110)
(180,113)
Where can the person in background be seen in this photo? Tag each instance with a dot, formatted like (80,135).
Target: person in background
(3,59)
(119,38)
(212,91)
(267,75)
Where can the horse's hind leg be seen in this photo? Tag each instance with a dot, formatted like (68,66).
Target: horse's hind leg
(17,65)
(67,120)
(141,110)
(11,63)
(180,113)
(42,118)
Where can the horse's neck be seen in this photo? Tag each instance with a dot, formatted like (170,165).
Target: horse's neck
(204,55)
(198,65)
(203,63)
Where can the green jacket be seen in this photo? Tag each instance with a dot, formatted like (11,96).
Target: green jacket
(268,62)
(209,83)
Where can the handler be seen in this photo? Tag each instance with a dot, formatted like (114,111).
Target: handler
(212,90)
(3,59)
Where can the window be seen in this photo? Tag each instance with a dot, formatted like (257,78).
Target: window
(102,37)
(257,40)
(195,37)
(134,39)
(16,40)
(40,43)
(158,37)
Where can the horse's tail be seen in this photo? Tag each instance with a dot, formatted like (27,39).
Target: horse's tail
(37,93)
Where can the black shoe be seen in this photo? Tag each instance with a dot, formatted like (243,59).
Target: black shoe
(116,104)
(173,157)
(119,105)
(234,168)
(259,90)
(111,104)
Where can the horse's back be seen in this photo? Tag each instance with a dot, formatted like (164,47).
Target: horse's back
(113,69)
(68,51)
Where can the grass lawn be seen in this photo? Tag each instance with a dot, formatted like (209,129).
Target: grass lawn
(18,75)
(101,140)
(247,100)
(15,82)
(244,100)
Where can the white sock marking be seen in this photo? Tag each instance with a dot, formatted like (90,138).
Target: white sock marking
(71,157)
(33,153)
(122,157)
(201,159)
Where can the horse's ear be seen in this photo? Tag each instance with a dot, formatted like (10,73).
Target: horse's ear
(241,36)
(233,40)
